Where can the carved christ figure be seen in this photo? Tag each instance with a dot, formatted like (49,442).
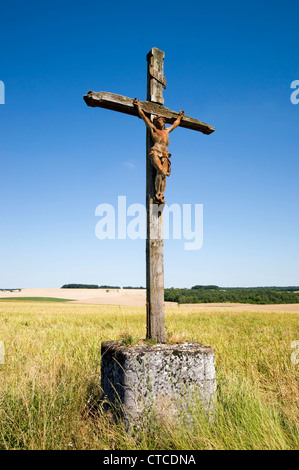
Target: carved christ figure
(160,158)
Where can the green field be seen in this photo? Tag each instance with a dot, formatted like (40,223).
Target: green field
(36,299)
(50,382)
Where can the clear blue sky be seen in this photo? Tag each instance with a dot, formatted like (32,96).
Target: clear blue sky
(229,63)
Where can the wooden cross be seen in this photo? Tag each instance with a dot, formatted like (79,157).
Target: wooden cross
(154,243)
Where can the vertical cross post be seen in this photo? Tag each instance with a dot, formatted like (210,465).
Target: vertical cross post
(154,241)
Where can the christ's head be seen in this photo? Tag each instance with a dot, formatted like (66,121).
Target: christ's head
(159,122)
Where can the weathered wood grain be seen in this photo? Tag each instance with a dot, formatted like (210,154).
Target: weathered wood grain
(155,65)
(125,105)
(154,241)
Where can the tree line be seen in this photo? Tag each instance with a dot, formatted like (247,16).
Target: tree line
(248,295)
(95,286)
(87,286)
(216,294)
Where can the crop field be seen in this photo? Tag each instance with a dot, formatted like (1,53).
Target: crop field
(50,378)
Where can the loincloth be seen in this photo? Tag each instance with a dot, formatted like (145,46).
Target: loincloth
(159,153)
(163,156)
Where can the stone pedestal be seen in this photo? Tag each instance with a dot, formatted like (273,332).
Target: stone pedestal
(136,379)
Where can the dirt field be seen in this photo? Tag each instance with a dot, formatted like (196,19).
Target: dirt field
(136,298)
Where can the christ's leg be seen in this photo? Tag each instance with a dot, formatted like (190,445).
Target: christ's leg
(156,161)
(160,187)
(163,186)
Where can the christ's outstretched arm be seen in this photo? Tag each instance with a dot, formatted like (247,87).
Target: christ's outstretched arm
(176,122)
(141,114)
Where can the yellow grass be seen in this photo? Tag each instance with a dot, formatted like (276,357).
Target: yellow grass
(50,382)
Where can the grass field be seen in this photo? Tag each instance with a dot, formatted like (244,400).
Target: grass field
(50,381)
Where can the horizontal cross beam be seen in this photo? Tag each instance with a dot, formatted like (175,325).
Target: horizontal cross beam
(125,105)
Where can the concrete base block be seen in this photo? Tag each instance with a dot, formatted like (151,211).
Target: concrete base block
(137,378)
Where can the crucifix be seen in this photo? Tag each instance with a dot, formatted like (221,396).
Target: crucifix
(155,116)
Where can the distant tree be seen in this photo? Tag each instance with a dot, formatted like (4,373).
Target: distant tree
(79,286)
(131,287)
(205,287)
(87,286)
(109,287)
